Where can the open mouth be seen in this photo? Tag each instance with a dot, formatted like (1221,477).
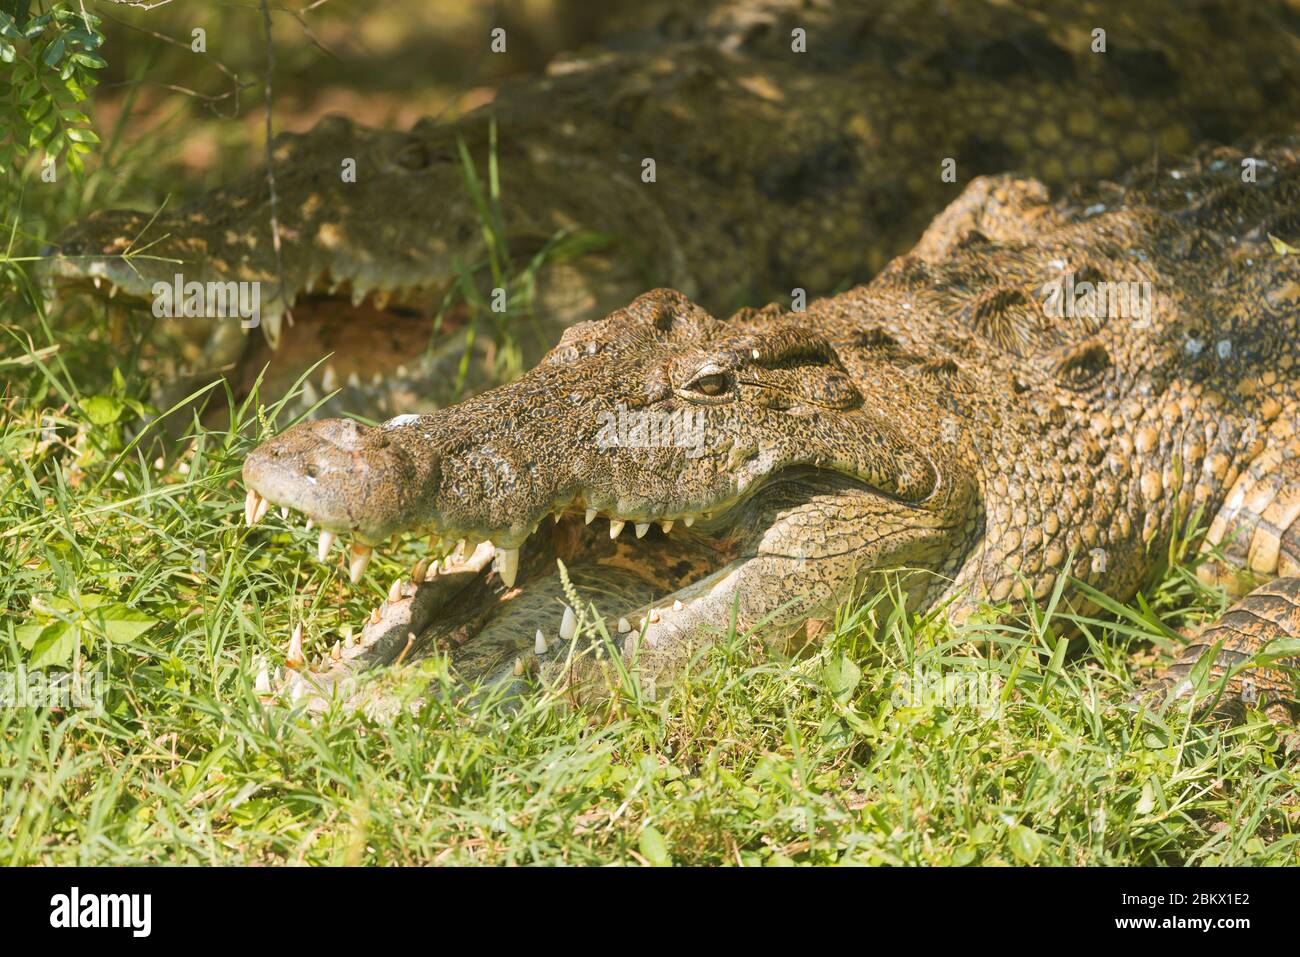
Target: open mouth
(493,599)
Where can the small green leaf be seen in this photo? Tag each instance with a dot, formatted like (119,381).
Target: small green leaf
(54,645)
(121,622)
(1025,843)
(841,676)
(654,848)
(102,409)
(53,52)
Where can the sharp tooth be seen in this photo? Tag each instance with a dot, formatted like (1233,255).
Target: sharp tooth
(284,512)
(508,565)
(329,380)
(420,572)
(381,298)
(555,516)
(374,616)
(309,393)
(358,294)
(250,506)
(654,615)
(642,528)
(348,640)
(272,324)
(294,657)
(310,525)
(519,667)
(324,545)
(539,642)
(677,605)
(354,380)
(358,561)
(615,526)
(262,508)
(591,514)
(568,624)
(395,590)
(336,652)
(624,626)
(112,291)
(688,521)
(98,281)
(666,526)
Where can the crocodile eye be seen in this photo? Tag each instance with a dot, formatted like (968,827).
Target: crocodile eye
(712,384)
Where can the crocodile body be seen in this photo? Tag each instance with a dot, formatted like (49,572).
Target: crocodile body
(941,427)
(775,168)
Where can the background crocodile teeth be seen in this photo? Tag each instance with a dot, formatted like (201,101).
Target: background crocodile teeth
(508,565)
(359,560)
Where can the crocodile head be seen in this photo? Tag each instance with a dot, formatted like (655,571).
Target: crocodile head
(379,217)
(748,443)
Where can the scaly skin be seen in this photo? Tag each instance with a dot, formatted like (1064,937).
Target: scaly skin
(775,169)
(933,427)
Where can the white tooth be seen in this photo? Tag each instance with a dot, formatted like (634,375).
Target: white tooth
(358,295)
(420,572)
(642,528)
(654,615)
(555,516)
(377,379)
(336,652)
(262,685)
(354,380)
(310,525)
(250,506)
(591,514)
(330,379)
(508,565)
(677,605)
(624,626)
(666,526)
(294,657)
(112,291)
(615,526)
(98,281)
(324,545)
(309,393)
(519,667)
(348,640)
(297,688)
(568,624)
(284,512)
(539,642)
(263,506)
(395,590)
(688,521)
(358,562)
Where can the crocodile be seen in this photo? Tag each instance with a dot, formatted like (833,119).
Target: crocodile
(1034,401)
(796,146)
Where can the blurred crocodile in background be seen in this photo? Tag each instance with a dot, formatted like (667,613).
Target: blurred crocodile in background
(783,160)
(1040,396)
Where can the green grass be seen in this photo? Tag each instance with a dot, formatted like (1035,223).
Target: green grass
(749,761)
